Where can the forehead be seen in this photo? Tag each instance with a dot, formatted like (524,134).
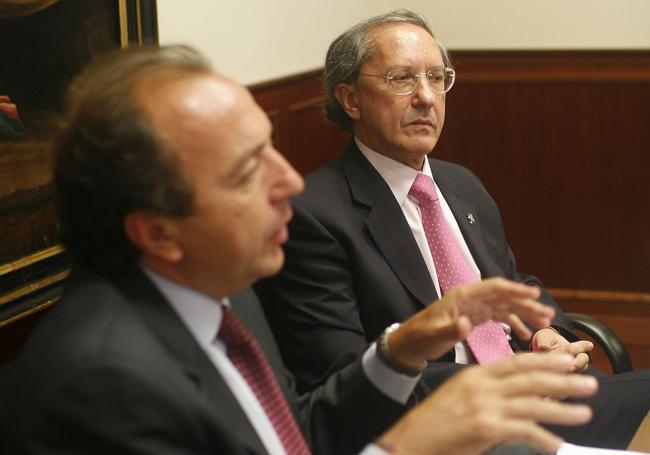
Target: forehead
(205,116)
(404,44)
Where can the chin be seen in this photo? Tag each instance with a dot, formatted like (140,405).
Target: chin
(418,147)
(271,264)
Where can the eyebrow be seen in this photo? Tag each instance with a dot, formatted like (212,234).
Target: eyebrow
(409,67)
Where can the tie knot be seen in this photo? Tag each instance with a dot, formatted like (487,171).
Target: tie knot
(232,332)
(423,189)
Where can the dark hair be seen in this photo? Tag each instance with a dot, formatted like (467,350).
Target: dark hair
(109,159)
(349,52)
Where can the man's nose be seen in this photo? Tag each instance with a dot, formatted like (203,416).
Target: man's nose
(423,94)
(288,181)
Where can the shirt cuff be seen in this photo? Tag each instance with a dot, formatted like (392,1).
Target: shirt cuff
(391,383)
(372,449)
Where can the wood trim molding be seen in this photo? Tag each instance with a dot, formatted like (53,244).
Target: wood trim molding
(531,66)
(601,296)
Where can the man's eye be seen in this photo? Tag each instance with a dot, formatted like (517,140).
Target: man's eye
(402,77)
(250,171)
(435,77)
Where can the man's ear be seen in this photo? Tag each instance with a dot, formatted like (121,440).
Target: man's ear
(154,235)
(346,96)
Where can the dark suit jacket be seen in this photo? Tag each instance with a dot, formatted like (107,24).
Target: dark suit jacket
(112,369)
(353,266)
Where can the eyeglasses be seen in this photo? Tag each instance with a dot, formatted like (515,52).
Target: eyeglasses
(403,82)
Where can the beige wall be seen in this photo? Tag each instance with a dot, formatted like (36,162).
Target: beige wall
(538,24)
(258,40)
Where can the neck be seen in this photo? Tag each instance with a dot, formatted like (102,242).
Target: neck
(173,273)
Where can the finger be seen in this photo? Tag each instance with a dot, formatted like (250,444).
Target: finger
(497,288)
(528,309)
(547,411)
(556,361)
(4,99)
(500,308)
(543,341)
(541,345)
(547,384)
(582,362)
(464,327)
(520,329)
(577,347)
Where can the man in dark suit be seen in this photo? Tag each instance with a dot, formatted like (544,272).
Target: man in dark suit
(172,201)
(362,255)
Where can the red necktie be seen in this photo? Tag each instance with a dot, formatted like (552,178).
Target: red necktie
(247,356)
(487,341)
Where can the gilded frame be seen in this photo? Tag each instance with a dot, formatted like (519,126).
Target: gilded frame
(33,264)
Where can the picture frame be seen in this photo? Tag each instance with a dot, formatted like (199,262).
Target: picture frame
(43,45)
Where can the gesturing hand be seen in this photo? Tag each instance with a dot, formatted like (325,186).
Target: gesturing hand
(433,331)
(502,402)
(546,340)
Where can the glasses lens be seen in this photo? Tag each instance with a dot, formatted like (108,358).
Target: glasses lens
(401,82)
(450,77)
(441,80)
(437,80)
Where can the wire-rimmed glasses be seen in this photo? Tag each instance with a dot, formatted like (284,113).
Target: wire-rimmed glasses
(403,81)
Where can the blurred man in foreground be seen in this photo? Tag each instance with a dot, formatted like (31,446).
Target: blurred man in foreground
(173,201)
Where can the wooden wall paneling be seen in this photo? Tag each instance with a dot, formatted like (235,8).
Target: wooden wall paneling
(313,140)
(302,134)
(565,159)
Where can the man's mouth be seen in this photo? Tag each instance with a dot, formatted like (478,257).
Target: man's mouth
(422,122)
(281,234)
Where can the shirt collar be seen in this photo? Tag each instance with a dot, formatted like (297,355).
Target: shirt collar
(397,176)
(201,314)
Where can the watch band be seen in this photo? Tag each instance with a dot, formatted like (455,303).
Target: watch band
(391,362)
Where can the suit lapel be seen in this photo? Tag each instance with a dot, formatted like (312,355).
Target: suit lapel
(387,226)
(462,210)
(181,345)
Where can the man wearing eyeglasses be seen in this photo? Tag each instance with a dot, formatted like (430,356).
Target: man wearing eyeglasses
(383,231)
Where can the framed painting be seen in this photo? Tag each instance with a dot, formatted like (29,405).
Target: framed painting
(43,44)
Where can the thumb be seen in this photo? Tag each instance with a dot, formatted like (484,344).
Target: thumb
(540,343)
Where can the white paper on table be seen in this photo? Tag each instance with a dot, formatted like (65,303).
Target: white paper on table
(570,449)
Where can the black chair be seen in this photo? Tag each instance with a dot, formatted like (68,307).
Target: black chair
(614,348)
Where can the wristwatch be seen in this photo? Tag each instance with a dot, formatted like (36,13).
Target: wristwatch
(391,362)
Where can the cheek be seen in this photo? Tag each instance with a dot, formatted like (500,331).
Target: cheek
(440,113)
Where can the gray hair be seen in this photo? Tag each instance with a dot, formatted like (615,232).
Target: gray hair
(352,49)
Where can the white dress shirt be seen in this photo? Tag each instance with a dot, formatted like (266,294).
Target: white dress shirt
(202,315)
(400,178)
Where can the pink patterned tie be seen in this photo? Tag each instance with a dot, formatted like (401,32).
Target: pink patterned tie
(487,341)
(247,356)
